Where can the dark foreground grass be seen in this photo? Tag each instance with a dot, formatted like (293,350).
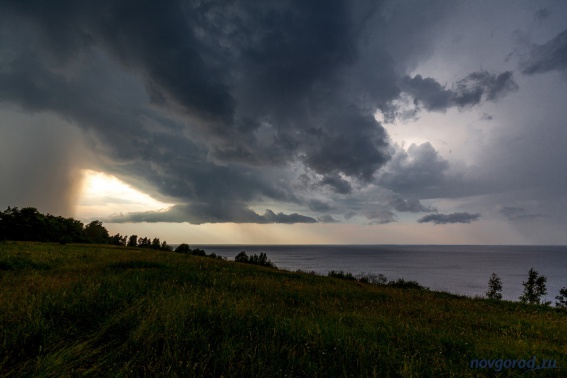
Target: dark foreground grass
(74,310)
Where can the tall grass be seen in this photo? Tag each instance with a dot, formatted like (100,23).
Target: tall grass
(70,310)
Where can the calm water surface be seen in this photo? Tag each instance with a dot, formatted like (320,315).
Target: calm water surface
(456,269)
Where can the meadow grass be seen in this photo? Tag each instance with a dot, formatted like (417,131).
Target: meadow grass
(94,310)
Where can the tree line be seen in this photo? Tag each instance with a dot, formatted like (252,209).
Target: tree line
(534,289)
(28,224)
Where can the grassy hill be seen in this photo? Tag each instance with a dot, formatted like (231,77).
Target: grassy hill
(72,310)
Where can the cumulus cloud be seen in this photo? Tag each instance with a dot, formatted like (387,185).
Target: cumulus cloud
(449,218)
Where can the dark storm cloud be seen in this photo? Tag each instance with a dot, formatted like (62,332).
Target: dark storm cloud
(318,205)
(379,215)
(210,102)
(467,92)
(551,56)
(411,205)
(207,213)
(420,168)
(337,183)
(449,218)
(542,14)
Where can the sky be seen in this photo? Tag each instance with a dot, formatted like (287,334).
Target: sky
(289,121)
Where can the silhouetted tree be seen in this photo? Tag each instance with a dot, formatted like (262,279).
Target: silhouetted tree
(241,257)
(494,287)
(155,244)
(96,233)
(534,288)
(183,248)
(28,224)
(261,259)
(133,241)
(198,252)
(144,242)
(118,240)
(562,298)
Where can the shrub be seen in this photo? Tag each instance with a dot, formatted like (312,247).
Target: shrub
(400,283)
(372,279)
(342,275)
(198,252)
(494,287)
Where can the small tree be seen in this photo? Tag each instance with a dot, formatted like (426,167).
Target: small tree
(494,287)
(534,288)
(133,241)
(156,244)
(241,257)
(562,298)
(96,233)
(183,248)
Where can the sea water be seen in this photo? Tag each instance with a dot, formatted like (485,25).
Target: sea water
(459,269)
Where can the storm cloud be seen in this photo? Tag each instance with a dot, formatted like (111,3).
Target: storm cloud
(550,56)
(225,107)
(449,218)
(205,213)
(420,167)
(467,92)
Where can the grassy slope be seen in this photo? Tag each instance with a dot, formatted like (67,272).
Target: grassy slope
(101,310)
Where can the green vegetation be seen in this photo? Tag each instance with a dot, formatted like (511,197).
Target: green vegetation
(494,287)
(534,288)
(28,224)
(562,298)
(260,259)
(103,310)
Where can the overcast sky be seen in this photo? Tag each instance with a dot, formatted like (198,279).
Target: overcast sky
(289,121)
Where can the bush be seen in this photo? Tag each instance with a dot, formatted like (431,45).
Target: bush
(342,275)
(400,283)
(213,255)
(198,252)
(372,279)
